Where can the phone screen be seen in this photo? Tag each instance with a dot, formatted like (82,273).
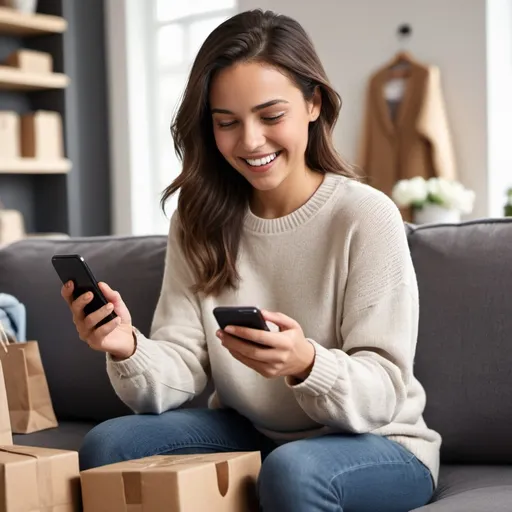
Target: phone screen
(72,267)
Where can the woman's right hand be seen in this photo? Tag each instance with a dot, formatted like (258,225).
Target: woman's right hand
(115,337)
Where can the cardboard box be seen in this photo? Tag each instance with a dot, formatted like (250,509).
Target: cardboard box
(10,144)
(41,135)
(38,479)
(219,482)
(12,229)
(30,61)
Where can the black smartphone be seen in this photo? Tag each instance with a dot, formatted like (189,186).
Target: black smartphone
(240,316)
(72,267)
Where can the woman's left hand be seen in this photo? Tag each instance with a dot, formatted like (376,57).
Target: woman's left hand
(272,354)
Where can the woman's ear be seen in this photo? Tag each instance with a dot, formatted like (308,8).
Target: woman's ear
(315,104)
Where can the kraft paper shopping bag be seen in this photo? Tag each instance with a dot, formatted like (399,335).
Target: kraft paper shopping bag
(29,402)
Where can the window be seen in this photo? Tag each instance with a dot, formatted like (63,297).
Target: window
(178,31)
(151,47)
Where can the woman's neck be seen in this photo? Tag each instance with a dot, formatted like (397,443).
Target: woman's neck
(293,192)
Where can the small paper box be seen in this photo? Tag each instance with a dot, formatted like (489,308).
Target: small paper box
(219,482)
(41,135)
(10,145)
(30,61)
(36,479)
(12,229)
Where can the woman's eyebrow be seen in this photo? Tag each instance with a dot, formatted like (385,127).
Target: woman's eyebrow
(253,109)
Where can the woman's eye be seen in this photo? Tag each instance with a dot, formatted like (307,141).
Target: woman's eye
(225,124)
(273,119)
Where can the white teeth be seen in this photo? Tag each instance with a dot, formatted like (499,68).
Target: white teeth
(261,161)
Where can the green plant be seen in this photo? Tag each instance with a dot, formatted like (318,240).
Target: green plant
(508,204)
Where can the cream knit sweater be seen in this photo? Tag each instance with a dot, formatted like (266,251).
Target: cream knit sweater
(341,267)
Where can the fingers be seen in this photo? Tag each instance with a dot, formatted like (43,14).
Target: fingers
(97,336)
(281,320)
(110,295)
(265,338)
(266,370)
(248,349)
(77,306)
(92,319)
(67,292)
(115,298)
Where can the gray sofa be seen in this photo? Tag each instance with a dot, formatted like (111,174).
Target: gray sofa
(464,354)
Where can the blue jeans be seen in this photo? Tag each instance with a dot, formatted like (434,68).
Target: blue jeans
(342,473)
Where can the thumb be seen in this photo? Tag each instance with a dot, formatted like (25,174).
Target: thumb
(119,306)
(281,320)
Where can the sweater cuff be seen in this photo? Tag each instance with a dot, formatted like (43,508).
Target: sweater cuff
(137,363)
(323,375)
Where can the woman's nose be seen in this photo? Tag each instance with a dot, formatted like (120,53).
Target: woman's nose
(252,137)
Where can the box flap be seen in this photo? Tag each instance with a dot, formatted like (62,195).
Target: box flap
(173,463)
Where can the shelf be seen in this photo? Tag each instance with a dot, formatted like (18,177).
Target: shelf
(17,23)
(13,79)
(34,166)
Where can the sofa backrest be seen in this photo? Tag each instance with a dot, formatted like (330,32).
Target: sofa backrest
(76,374)
(464,356)
(464,352)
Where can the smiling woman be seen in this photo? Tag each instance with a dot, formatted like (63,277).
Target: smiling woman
(269,215)
(264,108)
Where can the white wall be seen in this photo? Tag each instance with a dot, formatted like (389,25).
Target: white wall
(354,38)
(499,113)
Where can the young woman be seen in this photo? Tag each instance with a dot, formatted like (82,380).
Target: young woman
(269,215)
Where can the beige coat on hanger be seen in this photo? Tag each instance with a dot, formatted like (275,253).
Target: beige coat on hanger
(414,142)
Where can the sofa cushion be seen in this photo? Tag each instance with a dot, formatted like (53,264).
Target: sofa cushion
(472,489)
(464,356)
(76,375)
(67,436)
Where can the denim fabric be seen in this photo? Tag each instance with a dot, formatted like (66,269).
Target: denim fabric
(342,473)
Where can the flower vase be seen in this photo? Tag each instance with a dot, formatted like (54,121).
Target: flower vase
(435,214)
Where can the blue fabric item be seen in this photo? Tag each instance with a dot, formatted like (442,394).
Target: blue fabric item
(335,473)
(13,317)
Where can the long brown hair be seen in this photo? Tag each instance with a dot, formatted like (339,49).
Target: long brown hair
(213,197)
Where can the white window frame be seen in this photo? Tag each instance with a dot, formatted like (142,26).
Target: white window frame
(133,74)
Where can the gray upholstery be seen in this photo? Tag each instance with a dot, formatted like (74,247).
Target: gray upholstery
(76,375)
(67,436)
(464,356)
(473,489)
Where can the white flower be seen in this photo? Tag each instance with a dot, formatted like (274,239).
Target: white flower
(408,192)
(441,190)
(451,194)
(445,193)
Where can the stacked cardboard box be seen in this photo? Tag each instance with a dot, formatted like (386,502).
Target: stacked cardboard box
(38,479)
(35,479)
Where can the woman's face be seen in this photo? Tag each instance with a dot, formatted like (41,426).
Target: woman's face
(260,122)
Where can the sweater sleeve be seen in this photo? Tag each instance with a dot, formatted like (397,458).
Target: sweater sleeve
(172,365)
(362,385)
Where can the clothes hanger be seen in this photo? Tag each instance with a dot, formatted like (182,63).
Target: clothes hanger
(399,69)
(401,64)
